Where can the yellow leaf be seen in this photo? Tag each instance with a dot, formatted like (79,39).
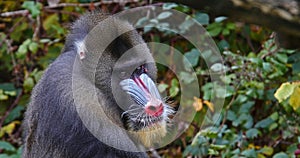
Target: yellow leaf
(260,156)
(295,98)
(267,150)
(284,91)
(197,104)
(210,105)
(253,146)
(8,128)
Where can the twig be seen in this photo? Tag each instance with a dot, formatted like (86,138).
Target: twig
(60,5)
(37,28)
(61,12)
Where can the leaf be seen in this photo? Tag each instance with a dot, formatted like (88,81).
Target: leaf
(33,47)
(28,84)
(220,18)
(214,29)
(3,96)
(7,146)
(7,86)
(202,18)
(215,32)
(231,115)
(209,105)
(162,87)
(186,25)
(267,150)
(295,98)
(33,7)
(217,67)
(223,45)
(50,20)
(174,90)
(218,147)
(8,129)
(249,153)
(15,113)
(281,57)
(284,91)
(186,77)
(23,49)
(252,133)
(167,6)
(164,15)
(281,155)
(245,108)
(264,123)
(198,105)
(191,57)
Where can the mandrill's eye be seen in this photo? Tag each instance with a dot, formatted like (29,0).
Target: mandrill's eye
(123,74)
(139,71)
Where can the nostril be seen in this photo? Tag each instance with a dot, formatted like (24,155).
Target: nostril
(152,108)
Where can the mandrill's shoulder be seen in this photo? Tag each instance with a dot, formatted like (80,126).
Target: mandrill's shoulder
(82,26)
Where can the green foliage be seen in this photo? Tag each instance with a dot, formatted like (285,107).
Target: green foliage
(33,7)
(253,122)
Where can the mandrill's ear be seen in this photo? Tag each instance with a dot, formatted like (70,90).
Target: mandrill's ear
(80,48)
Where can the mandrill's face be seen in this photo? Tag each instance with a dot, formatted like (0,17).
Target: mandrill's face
(147,115)
(132,74)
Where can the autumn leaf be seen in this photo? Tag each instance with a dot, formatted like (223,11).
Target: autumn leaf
(210,105)
(198,105)
(284,91)
(291,90)
(295,98)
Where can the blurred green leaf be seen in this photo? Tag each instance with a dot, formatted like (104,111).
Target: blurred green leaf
(191,57)
(15,113)
(281,155)
(249,153)
(220,19)
(174,90)
(186,77)
(264,123)
(6,146)
(33,47)
(267,150)
(167,6)
(252,133)
(28,84)
(33,7)
(162,87)
(164,15)
(202,18)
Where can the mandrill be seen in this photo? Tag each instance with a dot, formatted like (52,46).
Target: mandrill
(98,98)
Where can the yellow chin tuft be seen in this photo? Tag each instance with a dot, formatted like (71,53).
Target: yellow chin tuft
(151,135)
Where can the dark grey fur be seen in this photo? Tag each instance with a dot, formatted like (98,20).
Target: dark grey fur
(52,127)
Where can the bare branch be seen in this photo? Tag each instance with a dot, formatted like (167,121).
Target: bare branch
(61,5)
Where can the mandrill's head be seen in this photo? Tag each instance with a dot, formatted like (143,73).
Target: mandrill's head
(124,77)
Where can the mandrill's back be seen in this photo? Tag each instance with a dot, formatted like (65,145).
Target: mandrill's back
(52,127)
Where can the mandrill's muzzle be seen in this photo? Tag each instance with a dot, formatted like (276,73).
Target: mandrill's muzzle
(144,92)
(149,110)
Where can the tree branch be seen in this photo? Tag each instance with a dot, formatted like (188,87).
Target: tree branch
(61,5)
(282,16)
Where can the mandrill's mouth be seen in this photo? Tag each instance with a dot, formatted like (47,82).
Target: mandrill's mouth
(149,110)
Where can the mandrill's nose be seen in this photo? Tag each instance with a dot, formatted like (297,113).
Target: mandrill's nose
(154,110)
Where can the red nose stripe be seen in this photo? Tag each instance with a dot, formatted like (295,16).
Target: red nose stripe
(141,84)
